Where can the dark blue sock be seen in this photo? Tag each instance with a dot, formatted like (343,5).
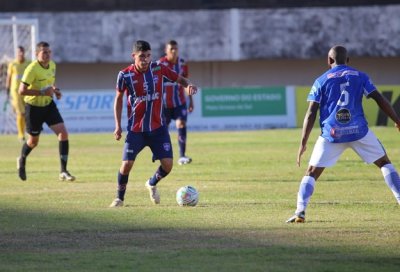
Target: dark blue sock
(158,175)
(122,182)
(182,141)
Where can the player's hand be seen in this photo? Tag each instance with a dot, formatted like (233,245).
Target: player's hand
(301,151)
(397,126)
(191,89)
(57,92)
(49,91)
(118,133)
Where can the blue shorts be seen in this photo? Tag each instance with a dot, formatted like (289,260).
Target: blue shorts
(179,112)
(158,140)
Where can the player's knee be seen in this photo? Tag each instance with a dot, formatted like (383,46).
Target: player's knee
(32,143)
(382,161)
(180,124)
(167,165)
(314,172)
(126,167)
(63,136)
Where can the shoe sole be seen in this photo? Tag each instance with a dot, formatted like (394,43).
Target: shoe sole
(182,163)
(116,205)
(65,179)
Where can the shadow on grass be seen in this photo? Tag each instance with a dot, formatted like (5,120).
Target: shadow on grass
(53,242)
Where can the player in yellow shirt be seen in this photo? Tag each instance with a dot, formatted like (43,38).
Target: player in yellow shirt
(14,74)
(38,88)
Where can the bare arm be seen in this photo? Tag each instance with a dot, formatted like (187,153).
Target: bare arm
(386,107)
(189,87)
(191,104)
(117,114)
(308,124)
(49,91)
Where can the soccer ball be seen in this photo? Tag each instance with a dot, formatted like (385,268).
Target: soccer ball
(187,196)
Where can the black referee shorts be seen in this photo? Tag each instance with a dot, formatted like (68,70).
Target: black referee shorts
(36,116)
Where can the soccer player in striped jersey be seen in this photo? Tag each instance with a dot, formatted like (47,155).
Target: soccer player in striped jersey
(175,98)
(142,83)
(15,71)
(38,88)
(338,95)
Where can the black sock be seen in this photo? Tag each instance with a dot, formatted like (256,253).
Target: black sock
(25,151)
(122,182)
(63,147)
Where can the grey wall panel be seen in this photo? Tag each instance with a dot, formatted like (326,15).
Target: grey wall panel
(214,35)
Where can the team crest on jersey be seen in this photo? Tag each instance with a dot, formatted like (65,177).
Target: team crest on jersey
(343,116)
(167,146)
(156,69)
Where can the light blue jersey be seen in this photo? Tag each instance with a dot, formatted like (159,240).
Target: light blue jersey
(339,91)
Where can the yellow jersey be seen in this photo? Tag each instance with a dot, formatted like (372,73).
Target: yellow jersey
(16,70)
(39,78)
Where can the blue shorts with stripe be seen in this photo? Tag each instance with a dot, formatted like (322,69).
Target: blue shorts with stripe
(157,140)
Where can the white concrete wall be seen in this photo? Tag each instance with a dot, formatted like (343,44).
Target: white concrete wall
(222,35)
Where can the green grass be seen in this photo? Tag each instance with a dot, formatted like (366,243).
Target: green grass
(248,183)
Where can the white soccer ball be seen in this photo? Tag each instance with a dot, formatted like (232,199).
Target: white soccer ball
(187,196)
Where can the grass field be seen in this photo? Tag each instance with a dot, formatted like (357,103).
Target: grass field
(248,183)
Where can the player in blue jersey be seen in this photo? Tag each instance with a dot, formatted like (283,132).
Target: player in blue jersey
(338,95)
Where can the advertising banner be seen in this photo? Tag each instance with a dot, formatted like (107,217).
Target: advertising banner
(243,108)
(215,109)
(89,110)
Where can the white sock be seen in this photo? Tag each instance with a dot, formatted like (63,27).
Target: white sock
(306,189)
(392,179)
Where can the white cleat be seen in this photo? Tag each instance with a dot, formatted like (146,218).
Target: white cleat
(66,176)
(184,160)
(297,218)
(154,195)
(116,203)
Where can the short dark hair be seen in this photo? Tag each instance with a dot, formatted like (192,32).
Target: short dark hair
(41,45)
(339,54)
(21,48)
(141,46)
(172,42)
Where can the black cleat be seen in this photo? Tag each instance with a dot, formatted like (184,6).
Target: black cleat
(21,168)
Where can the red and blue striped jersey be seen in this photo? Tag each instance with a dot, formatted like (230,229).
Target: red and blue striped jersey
(174,94)
(144,92)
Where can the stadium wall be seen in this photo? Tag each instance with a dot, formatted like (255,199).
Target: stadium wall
(222,35)
(225,48)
